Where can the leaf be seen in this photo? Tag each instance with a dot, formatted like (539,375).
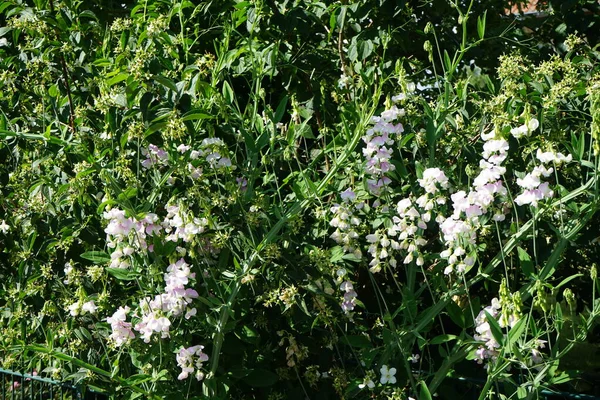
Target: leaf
(567,280)
(117,78)
(359,341)
(280,109)
(424,392)
(227,92)
(456,314)
(515,332)
(137,379)
(526,263)
(365,48)
(481,25)
(447,62)
(122,274)
(495,328)
(4,30)
(166,82)
(261,378)
(97,257)
(353,50)
(53,91)
(194,115)
(443,339)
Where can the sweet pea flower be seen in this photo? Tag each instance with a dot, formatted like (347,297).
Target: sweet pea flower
(4,227)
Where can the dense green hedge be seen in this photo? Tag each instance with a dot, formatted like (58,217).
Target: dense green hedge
(298,199)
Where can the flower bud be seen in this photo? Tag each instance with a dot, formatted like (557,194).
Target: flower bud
(429,28)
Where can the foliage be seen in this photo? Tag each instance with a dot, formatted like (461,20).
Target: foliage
(274,199)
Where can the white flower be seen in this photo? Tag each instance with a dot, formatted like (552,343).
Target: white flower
(367,383)
(399,97)
(74,309)
(533,124)
(520,131)
(3,42)
(4,227)
(387,375)
(89,307)
(414,358)
(182,148)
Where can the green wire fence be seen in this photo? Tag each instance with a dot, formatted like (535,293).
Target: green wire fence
(19,386)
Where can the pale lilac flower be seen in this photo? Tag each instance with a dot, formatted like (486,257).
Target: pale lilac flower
(121,330)
(190,360)
(182,148)
(432,178)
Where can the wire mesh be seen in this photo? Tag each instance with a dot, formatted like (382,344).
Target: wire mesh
(19,386)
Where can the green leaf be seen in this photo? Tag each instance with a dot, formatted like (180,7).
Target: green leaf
(515,332)
(424,392)
(194,115)
(481,25)
(495,328)
(53,91)
(97,257)
(443,339)
(137,379)
(261,378)
(122,274)
(456,314)
(166,82)
(121,76)
(526,263)
(359,341)
(567,280)
(280,109)
(365,48)
(447,62)
(227,92)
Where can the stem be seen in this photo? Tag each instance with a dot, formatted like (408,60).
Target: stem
(65,72)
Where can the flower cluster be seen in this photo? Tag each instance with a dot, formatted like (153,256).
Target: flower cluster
(349,296)
(126,235)
(175,301)
(378,151)
(212,150)
(534,189)
(121,329)
(345,222)
(190,360)
(525,129)
(80,307)
(506,313)
(154,155)
(387,376)
(460,229)
(405,233)
(484,333)
(179,224)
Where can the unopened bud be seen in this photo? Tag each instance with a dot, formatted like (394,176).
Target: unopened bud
(570,298)
(429,28)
